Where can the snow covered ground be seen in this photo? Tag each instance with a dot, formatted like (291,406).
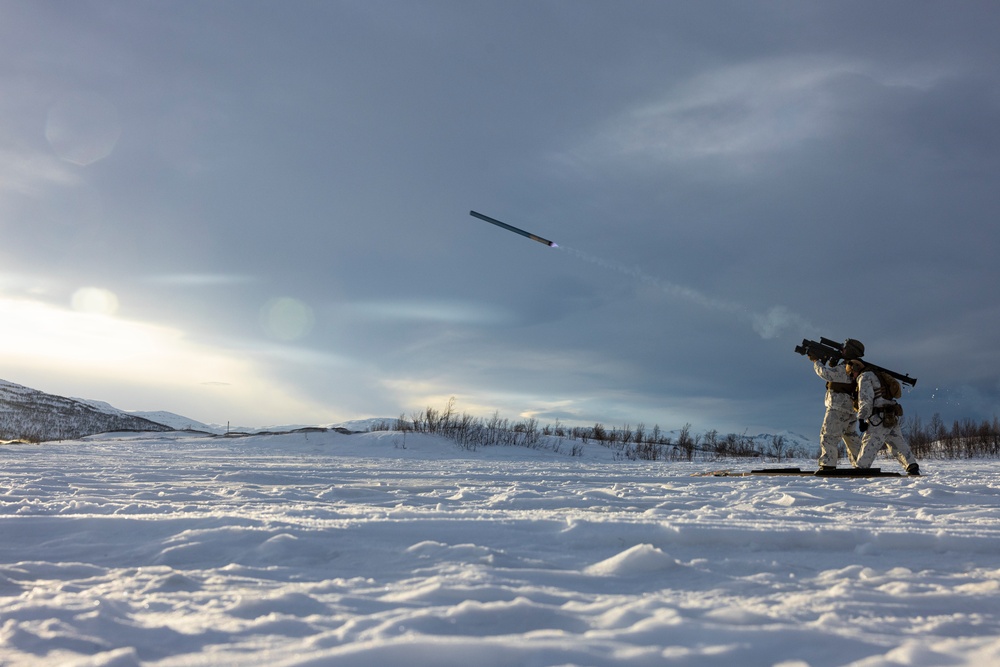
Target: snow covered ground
(384,549)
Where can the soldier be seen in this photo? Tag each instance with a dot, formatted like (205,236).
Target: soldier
(840,422)
(879,417)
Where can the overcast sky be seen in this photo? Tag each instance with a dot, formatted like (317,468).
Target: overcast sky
(258,212)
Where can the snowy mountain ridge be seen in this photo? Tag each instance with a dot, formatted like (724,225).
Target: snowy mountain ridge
(174,421)
(34,416)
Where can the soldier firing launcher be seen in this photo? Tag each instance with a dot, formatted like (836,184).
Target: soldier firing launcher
(829,352)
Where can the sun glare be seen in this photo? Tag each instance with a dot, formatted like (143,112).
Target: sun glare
(87,342)
(95,300)
(88,339)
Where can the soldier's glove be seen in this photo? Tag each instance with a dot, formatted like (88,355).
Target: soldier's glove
(813,358)
(862,425)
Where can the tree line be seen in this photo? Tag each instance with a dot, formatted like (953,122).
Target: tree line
(963,439)
(635,443)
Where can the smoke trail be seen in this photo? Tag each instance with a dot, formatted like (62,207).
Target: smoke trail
(767,325)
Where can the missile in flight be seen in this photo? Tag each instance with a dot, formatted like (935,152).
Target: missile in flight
(512,228)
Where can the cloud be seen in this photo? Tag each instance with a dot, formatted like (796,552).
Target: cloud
(29,173)
(423,310)
(740,112)
(201,279)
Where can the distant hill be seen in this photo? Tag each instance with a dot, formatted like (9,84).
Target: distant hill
(174,421)
(34,416)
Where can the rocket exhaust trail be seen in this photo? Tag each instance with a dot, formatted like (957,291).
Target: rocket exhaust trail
(768,324)
(512,228)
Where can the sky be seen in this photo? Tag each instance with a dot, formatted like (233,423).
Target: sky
(258,212)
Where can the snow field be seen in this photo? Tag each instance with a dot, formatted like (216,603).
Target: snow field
(322,549)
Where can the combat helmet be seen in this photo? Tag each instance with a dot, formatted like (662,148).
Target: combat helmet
(853,349)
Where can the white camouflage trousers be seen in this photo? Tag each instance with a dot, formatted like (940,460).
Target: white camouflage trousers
(875,437)
(839,425)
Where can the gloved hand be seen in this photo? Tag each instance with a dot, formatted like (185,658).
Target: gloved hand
(862,425)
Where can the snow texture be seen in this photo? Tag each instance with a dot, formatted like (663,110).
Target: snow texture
(319,548)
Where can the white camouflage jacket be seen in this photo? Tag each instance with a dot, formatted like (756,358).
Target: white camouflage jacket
(834,399)
(868,395)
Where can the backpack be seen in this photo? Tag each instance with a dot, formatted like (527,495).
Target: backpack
(890,388)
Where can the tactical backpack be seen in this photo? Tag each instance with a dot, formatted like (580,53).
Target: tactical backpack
(890,388)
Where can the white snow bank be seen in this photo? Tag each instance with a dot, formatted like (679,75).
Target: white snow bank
(321,548)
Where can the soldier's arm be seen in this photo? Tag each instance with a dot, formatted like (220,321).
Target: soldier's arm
(831,373)
(866,396)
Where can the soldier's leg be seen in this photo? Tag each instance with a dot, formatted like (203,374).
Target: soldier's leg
(852,441)
(899,448)
(871,443)
(829,438)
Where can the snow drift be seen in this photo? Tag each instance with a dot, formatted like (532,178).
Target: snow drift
(319,548)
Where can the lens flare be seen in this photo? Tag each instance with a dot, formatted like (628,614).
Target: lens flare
(95,300)
(286,318)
